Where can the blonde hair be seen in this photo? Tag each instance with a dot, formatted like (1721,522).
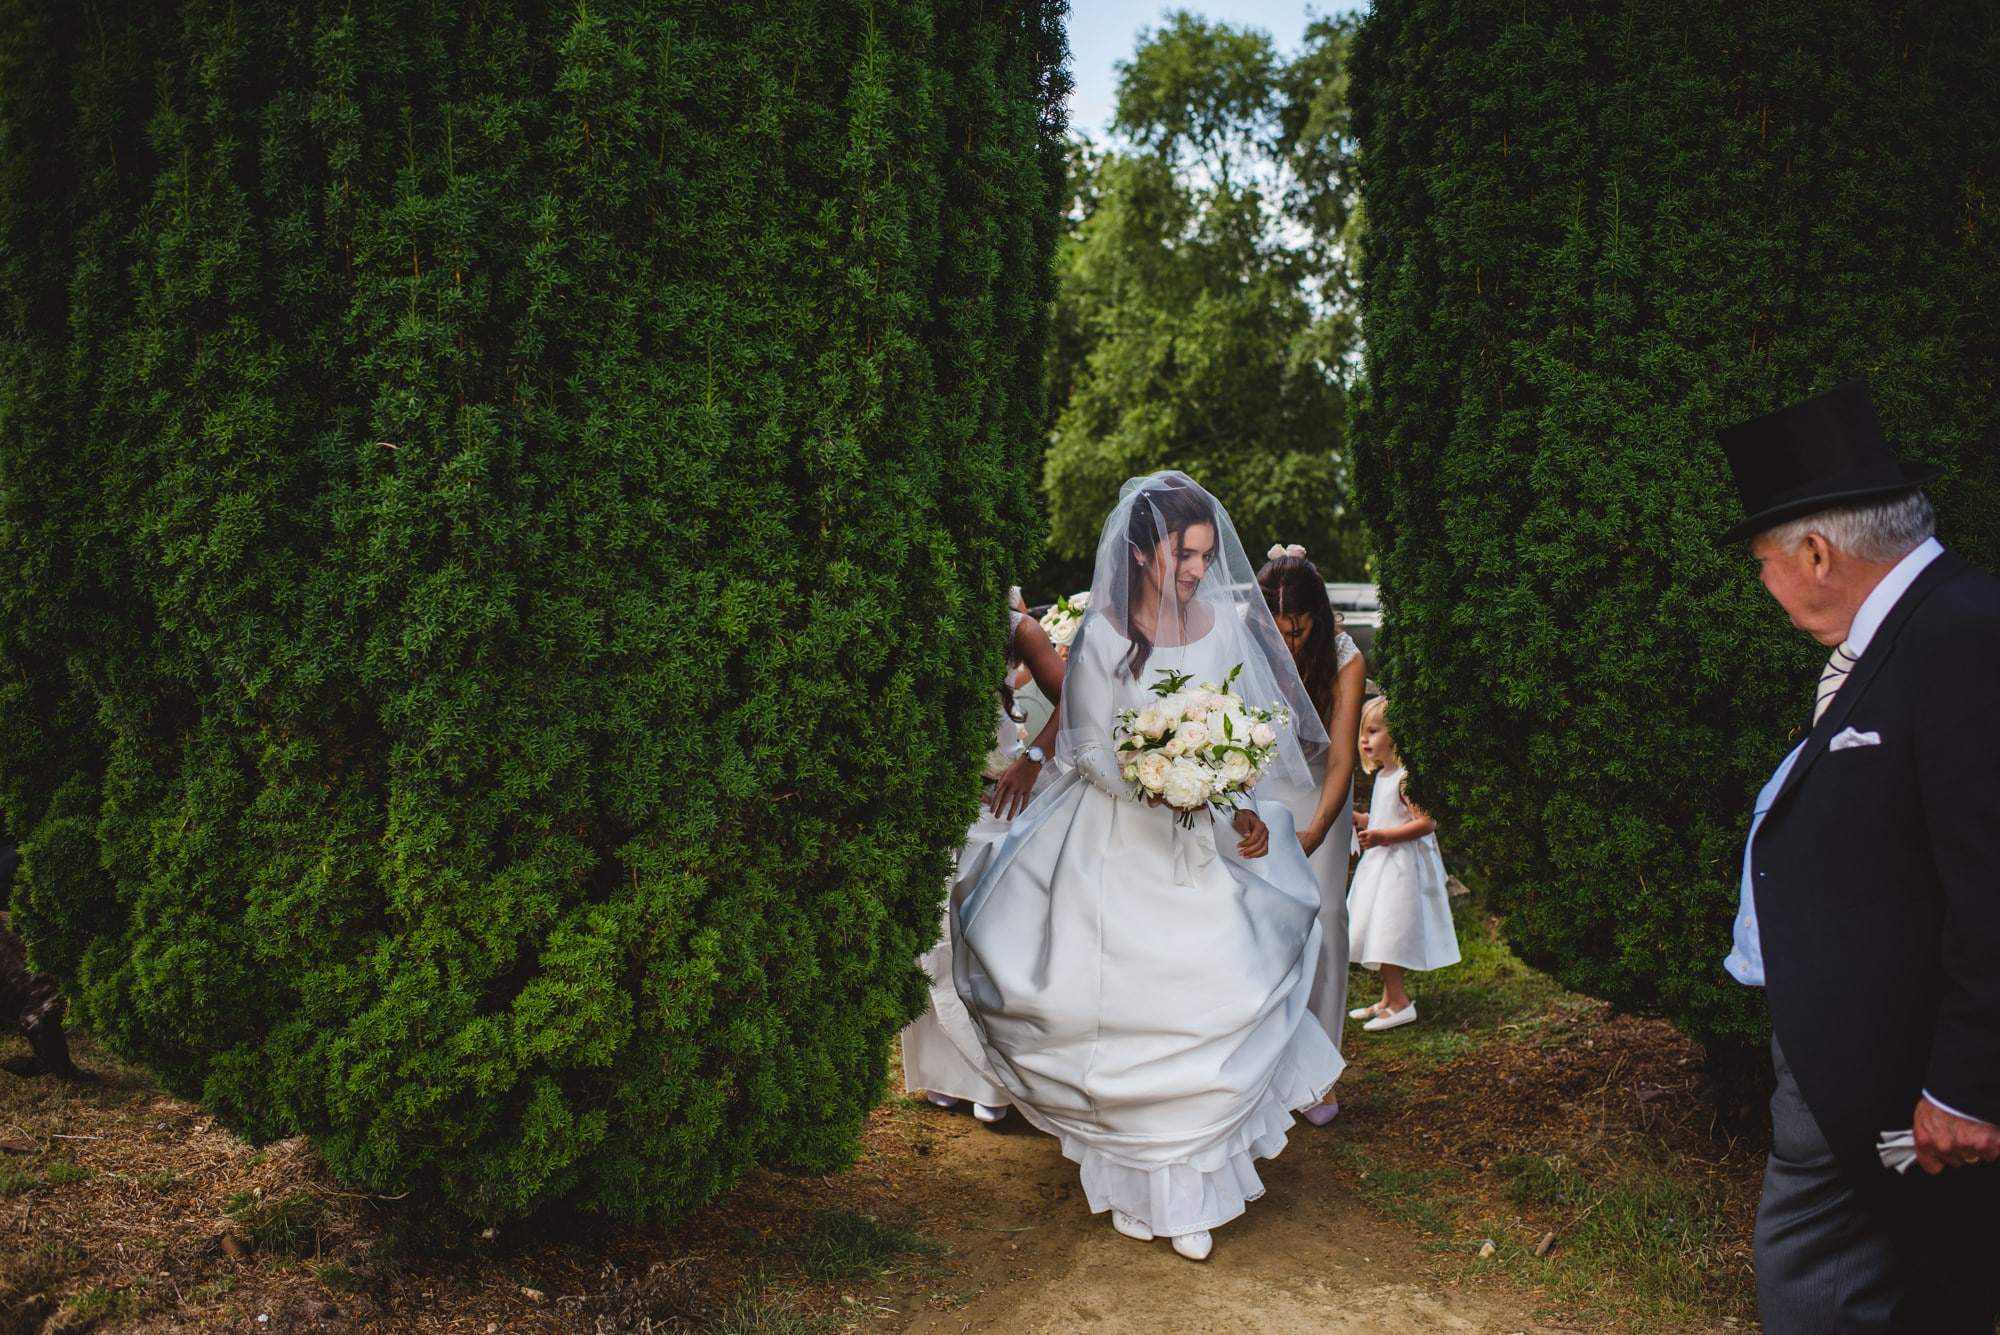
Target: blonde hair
(1376,708)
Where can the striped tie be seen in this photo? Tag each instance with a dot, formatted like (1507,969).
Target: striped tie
(1837,668)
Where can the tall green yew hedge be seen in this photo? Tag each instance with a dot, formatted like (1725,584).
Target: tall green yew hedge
(1596,233)
(507,510)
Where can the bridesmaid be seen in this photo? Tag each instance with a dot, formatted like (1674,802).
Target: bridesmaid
(942,1055)
(1335,676)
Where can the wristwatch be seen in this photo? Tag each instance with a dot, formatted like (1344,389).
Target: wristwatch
(1036,754)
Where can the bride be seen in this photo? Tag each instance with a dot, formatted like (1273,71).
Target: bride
(1141,985)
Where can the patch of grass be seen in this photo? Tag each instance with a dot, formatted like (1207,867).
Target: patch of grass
(98,1304)
(843,1245)
(40,1268)
(1659,1230)
(760,1314)
(1421,1198)
(1486,989)
(13,1181)
(337,1277)
(164,1179)
(207,1293)
(62,1173)
(281,1226)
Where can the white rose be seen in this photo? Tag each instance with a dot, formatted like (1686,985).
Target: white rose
(1187,785)
(1173,747)
(1236,767)
(1131,773)
(1263,734)
(1192,736)
(1152,770)
(1151,723)
(1081,600)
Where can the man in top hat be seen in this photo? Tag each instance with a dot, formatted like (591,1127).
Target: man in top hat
(1871,891)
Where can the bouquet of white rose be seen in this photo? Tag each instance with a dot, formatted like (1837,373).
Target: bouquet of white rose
(1062,620)
(1197,747)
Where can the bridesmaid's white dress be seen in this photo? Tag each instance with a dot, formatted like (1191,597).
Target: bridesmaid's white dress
(1141,989)
(1398,909)
(1329,863)
(942,1051)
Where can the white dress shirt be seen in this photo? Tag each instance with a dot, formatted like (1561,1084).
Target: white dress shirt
(1745,961)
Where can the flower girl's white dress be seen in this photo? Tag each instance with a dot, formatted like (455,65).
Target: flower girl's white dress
(1398,909)
(1141,988)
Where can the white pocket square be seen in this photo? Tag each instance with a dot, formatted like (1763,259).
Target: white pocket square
(1847,739)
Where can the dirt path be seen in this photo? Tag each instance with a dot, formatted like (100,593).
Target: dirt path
(116,1201)
(1306,1258)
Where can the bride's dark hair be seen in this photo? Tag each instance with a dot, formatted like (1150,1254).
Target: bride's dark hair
(1157,512)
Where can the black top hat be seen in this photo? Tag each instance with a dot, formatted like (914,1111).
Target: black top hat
(1819,453)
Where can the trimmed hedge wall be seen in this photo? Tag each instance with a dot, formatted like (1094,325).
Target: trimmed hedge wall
(1595,234)
(507,515)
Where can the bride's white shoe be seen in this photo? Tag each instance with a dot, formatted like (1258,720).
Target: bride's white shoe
(941,1100)
(1131,1226)
(1195,1246)
(990,1113)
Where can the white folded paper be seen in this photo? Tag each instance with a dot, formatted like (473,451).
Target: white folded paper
(1898,1150)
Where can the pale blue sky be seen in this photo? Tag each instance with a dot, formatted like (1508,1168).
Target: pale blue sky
(1103,32)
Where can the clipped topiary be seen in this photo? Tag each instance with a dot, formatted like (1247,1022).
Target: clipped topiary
(1595,234)
(507,511)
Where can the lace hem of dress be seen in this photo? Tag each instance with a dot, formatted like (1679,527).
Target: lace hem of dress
(1211,1188)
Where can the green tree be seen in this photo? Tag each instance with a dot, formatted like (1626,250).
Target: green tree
(502,513)
(1192,331)
(1596,234)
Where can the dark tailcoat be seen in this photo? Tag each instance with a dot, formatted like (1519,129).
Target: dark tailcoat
(1878,904)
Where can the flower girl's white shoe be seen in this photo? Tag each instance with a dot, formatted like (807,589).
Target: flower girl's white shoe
(1131,1226)
(1392,1019)
(989,1113)
(1365,1012)
(1195,1246)
(941,1100)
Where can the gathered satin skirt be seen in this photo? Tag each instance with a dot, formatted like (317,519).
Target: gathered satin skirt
(1141,992)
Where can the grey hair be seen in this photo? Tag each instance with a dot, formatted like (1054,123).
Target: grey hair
(1871,531)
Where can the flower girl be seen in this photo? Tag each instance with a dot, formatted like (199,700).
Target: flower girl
(1398,910)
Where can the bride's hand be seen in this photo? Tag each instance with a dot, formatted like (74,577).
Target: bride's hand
(1256,841)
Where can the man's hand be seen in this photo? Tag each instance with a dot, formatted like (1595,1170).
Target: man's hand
(1256,841)
(1944,1141)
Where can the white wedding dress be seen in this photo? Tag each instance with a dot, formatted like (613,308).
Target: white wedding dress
(1140,988)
